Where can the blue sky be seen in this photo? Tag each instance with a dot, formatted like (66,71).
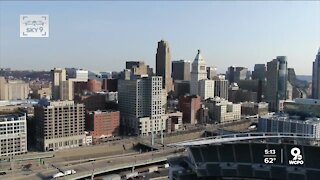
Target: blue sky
(102,35)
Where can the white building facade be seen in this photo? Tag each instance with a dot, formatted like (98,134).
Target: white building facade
(221,110)
(206,88)
(198,72)
(142,105)
(13,134)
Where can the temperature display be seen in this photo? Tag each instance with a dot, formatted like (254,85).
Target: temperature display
(270,156)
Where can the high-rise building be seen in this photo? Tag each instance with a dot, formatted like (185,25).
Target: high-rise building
(316,77)
(142,105)
(259,72)
(198,73)
(163,64)
(240,74)
(181,70)
(13,133)
(211,72)
(277,77)
(58,76)
(230,73)
(181,88)
(221,88)
(13,89)
(236,74)
(206,88)
(59,125)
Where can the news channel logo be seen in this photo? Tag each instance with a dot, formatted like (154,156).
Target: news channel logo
(297,156)
(34,25)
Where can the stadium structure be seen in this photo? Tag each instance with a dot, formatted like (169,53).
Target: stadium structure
(288,156)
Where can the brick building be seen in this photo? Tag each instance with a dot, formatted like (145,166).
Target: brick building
(103,123)
(94,85)
(190,106)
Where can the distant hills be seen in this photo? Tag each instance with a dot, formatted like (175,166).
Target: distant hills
(305,77)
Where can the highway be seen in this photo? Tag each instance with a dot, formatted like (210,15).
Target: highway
(85,169)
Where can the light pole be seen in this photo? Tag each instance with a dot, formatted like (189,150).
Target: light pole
(92,175)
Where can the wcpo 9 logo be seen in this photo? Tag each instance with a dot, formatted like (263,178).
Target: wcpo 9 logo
(297,157)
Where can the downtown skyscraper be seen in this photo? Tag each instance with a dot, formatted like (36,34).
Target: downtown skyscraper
(316,77)
(142,104)
(163,65)
(198,72)
(277,77)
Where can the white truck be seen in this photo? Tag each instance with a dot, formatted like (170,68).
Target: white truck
(62,174)
(153,169)
(166,165)
(132,175)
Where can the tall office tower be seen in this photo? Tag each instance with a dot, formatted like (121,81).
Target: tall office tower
(316,77)
(198,73)
(147,97)
(58,76)
(13,132)
(206,88)
(230,73)
(139,68)
(240,74)
(163,64)
(211,72)
(221,88)
(59,125)
(259,72)
(277,77)
(181,70)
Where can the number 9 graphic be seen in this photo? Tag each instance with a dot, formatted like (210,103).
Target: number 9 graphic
(296,153)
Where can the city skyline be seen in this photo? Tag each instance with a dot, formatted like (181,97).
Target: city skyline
(227,33)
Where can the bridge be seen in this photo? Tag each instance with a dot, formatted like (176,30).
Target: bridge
(241,137)
(106,169)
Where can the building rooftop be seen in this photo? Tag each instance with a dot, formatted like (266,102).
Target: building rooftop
(286,117)
(10,116)
(306,101)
